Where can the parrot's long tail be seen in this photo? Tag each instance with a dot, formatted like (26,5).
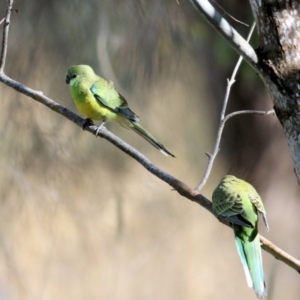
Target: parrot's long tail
(250,255)
(150,138)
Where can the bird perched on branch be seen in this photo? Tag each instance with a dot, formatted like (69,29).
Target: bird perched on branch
(239,203)
(97,99)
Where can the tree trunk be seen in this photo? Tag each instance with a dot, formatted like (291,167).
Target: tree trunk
(278,24)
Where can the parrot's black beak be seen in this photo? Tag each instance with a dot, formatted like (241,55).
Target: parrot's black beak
(67,79)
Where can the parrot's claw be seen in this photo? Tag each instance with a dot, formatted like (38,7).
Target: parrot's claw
(99,128)
(86,123)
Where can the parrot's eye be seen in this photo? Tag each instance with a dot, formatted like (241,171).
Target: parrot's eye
(74,76)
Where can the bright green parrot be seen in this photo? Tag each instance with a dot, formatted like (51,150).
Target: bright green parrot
(97,99)
(238,202)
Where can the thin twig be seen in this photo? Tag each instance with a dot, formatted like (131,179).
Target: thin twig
(229,15)
(230,82)
(212,157)
(5,35)
(230,34)
(232,79)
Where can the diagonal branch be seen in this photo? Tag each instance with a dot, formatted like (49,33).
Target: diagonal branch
(230,82)
(230,34)
(280,254)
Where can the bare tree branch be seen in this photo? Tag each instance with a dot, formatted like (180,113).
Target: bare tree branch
(223,119)
(212,156)
(280,254)
(230,34)
(232,79)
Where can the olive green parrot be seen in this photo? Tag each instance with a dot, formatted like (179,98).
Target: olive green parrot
(97,99)
(239,203)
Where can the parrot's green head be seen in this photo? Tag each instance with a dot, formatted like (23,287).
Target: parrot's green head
(228,178)
(78,73)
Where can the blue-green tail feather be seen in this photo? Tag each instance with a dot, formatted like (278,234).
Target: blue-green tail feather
(251,258)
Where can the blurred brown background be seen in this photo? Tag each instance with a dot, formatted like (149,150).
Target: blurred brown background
(81,220)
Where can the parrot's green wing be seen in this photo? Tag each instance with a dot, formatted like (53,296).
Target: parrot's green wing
(106,95)
(256,200)
(228,203)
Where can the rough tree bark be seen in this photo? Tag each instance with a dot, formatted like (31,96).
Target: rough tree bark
(278,24)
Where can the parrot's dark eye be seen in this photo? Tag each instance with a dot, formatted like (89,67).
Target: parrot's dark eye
(74,76)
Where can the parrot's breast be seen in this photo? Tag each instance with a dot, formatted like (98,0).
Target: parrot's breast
(91,108)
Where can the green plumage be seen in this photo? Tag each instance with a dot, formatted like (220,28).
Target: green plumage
(97,99)
(239,203)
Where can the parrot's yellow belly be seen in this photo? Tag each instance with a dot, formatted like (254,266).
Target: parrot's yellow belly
(89,107)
